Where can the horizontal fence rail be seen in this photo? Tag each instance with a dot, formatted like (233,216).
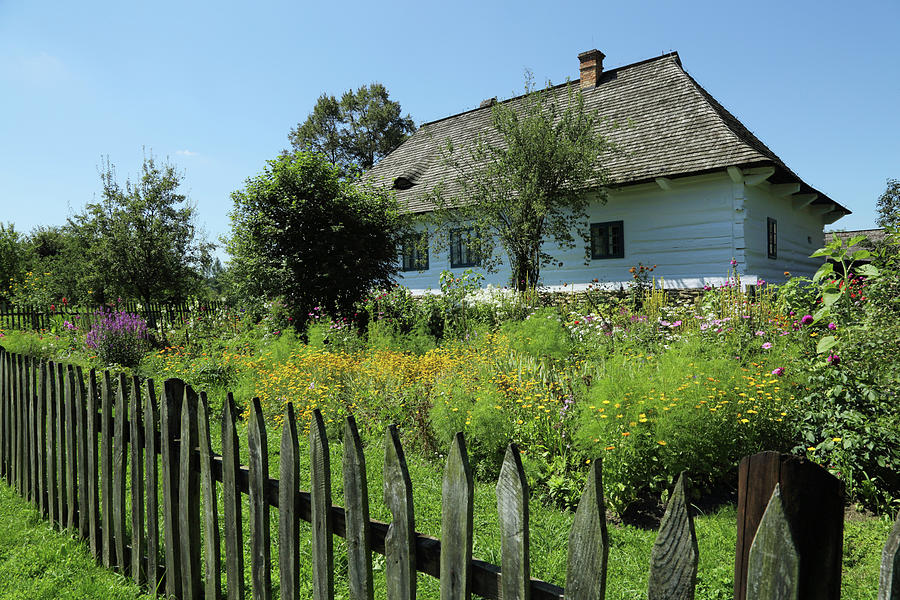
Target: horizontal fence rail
(75,446)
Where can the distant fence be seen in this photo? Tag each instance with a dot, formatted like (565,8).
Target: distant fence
(51,418)
(24,317)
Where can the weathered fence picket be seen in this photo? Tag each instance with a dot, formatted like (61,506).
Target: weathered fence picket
(189,498)
(288,501)
(356,498)
(589,542)
(673,561)
(49,421)
(512,506)
(169,421)
(212,581)
(151,474)
(320,498)
(93,489)
(231,465)
(106,493)
(136,439)
(120,462)
(260,543)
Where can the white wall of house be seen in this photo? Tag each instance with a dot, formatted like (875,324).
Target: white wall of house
(800,233)
(690,231)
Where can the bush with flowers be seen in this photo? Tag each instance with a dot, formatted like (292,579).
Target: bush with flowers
(118,337)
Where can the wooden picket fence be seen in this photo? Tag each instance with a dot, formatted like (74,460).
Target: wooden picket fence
(26,317)
(53,418)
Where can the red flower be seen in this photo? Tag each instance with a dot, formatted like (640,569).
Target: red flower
(52,307)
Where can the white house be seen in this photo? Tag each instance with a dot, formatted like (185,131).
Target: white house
(692,189)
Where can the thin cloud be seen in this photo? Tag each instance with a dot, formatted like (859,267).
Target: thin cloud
(186,153)
(39,69)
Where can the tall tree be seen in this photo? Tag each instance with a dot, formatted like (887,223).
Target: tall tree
(889,205)
(355,132)
(13,258)
(527,181)
(302,232)
(142,239)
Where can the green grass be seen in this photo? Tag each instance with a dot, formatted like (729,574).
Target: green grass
(38,562)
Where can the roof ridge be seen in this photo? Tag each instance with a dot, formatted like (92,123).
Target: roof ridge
(673,54)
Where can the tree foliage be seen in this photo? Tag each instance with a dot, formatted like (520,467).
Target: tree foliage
(355,131)
(13,258)
(142,240)
(528,180)
(889,205)
(302,232)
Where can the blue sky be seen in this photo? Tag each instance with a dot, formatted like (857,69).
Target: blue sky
(216,86)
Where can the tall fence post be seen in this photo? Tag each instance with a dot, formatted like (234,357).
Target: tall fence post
(813,503)
(169,421)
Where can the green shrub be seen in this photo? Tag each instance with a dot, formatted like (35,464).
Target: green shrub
(542,335)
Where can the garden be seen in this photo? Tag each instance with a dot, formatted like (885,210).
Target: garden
(650,385)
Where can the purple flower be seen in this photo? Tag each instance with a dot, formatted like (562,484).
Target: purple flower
(778,372)
(760,332)
(760,282)
(767,345)
(807,319)
(833,360)
(832,326)
(733,262)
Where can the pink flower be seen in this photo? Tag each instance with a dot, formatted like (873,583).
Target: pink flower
(833,360)
(760,332)
(832,326)
(778,372)
(807,319)
(733,262)
(760,282)
(767,345)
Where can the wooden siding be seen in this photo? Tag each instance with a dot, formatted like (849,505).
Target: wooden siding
(687,232)
(794,227)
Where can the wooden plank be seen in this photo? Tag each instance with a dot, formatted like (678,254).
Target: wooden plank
(61,446)
(889,580)
(81,449)
(71,458)
(288,520)
(673,561)
(169,420)
(93,472)
(773,566)
(356,499)
(212,582)
(4,409)
(28,406)
(260,545)
(400,542)
(50,453)
(33,430)
(231,497)
(106,471)
(320,497)
(20,425)
(189,499)
(151,473)
(457,510)
(512,508)
(41,446)
(136,441)
(120,464)
(589,542)
(813,502)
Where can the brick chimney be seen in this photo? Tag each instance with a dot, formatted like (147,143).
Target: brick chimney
(591,67)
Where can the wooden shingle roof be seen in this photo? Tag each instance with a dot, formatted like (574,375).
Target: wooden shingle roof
(661,120)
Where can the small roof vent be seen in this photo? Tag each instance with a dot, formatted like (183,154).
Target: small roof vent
(402,183)
(488,102)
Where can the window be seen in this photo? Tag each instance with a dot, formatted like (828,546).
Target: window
(772,237)
(608,240)
(463,248)
(414,252)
